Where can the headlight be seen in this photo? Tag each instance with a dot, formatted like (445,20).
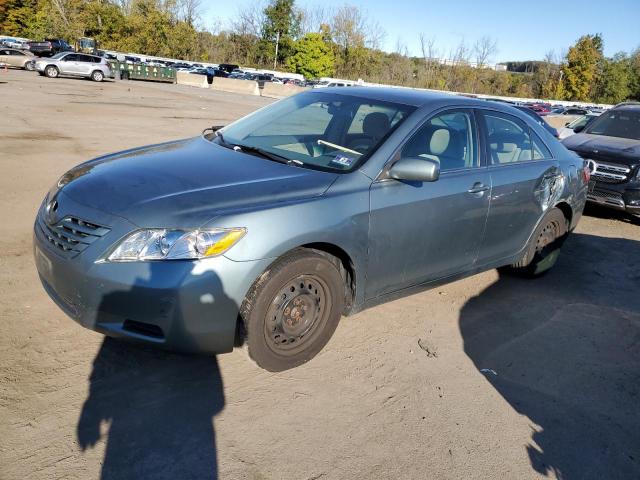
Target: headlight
(163,244)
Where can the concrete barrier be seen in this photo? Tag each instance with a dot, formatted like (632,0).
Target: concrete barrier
(191,79)
(233,85)
(277,90)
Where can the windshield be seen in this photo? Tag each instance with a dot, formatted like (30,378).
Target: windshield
(579,122)
(325,131)
(59,55)
(617,123)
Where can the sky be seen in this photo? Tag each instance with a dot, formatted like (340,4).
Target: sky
(523,30)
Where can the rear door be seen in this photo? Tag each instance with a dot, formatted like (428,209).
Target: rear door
(524,178)
(85,64)
(421,231)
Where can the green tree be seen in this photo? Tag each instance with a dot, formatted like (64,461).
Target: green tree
(581,69)
(312,57)
(281,26)
(614,83)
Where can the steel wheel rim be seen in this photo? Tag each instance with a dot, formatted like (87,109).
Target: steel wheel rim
(547,236)
(296,314)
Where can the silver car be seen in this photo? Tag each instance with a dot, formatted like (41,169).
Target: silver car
(74,64)
(325,203)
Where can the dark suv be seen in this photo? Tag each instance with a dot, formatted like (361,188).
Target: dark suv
(611,146)
(49,47)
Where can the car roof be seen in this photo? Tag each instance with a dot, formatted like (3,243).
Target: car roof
(410,96)
(628,106)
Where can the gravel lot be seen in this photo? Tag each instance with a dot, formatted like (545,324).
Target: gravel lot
(488,377)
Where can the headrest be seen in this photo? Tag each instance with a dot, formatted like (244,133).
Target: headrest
(506,142)
(376,125)
(439,141)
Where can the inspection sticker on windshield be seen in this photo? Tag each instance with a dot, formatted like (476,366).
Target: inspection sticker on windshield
(343,160)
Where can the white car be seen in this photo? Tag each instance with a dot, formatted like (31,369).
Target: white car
(577,125)
(15,43)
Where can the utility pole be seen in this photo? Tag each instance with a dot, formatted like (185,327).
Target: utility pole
(275,60)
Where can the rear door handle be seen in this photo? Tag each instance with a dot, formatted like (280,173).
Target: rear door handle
(478,187)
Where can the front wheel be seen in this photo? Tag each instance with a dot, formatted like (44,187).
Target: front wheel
(293,309)
(544,247)
(51,71)
(29,66)
(97,76)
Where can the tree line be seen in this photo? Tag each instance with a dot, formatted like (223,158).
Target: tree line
(341,42)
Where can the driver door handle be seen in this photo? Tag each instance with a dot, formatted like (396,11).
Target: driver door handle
(477,188)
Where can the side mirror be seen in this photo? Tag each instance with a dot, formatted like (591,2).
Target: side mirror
(578,129)
(415,169)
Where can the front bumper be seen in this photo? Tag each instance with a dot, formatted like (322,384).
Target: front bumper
(189,306)
(623,196)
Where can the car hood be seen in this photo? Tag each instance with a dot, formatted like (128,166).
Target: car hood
(188,182)
(622,150)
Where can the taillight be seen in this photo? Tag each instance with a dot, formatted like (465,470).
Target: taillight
(586,174)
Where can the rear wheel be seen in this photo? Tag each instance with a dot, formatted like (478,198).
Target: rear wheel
(544,247)
(51,71)
(293,309)
(97,76)
(29,66)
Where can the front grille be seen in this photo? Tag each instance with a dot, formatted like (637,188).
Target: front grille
(71,235)
(606,172)
(613,199)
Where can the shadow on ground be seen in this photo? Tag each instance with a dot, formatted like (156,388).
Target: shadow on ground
(566,352)
(158,407)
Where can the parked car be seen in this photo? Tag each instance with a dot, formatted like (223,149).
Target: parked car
(15,43)
(540,109)
(575,111)
(74,64)
(49,47)
(536,118)
(577,125)
(316,206)
(17,58)
(611,146)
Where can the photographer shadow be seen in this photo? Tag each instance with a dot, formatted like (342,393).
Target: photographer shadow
(157,407)
(564,350)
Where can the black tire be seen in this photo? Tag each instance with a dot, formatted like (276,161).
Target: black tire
(97,76)
(51,71)
(544,247)
(293,309)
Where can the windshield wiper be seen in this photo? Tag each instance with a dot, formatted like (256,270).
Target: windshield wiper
(266,154)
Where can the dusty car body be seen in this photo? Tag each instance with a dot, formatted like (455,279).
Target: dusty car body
(423,189)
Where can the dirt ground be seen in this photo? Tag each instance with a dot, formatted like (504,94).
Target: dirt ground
(488,377)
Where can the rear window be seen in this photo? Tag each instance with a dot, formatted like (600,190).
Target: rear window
(617,123)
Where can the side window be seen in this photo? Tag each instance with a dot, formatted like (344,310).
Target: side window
(540,150)
(70,58)
(85,58)
(448,138)
(508,138)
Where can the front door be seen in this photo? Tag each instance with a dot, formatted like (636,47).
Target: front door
(422,231)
